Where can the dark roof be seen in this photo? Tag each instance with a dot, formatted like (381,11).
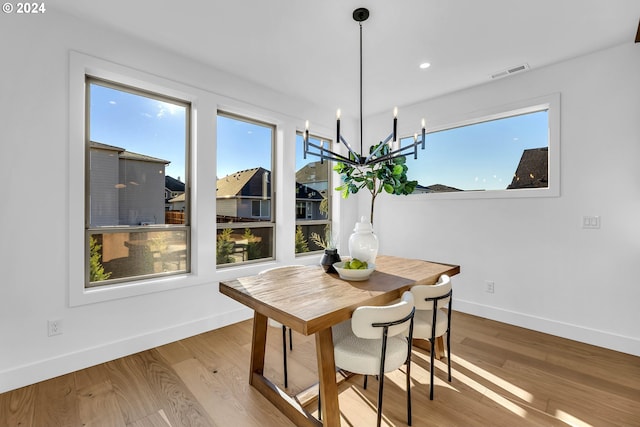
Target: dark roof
(244,183)
(441,188)
(307,193)
(533,169)
(173,184)
(435,188)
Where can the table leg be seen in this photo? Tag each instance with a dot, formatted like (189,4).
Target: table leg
(258,345)
(327,376)
(439,347)
(285,403)
(426,345)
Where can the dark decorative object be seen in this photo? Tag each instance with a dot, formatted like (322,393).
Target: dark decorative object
(330,256)
(383,152)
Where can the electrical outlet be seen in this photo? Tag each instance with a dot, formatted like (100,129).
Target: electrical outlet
(54,327)
(489,287)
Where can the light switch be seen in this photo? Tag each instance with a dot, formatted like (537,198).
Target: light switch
(591,222)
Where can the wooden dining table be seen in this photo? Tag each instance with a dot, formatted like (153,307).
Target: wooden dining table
(311,301)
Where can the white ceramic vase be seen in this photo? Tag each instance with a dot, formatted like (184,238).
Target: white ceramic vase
(363,244)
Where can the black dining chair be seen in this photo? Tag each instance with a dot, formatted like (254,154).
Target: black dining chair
(430,320)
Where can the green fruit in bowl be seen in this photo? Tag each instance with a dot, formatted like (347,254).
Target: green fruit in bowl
(356,264)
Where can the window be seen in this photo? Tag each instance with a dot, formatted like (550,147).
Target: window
(509,151)
(313,207)
(244,200)
(260,208)
(137,193)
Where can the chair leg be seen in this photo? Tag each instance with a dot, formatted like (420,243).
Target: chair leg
(290,340)
(365,381)
(409,391)
(380,387)
(284,355)
(431,374)
(449,354)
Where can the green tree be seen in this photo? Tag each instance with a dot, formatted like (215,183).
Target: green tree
(254,247)
(96,269)
(301,241)
(224,247)
(390,176)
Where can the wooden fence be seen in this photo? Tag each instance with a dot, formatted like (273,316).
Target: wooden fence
(173,217)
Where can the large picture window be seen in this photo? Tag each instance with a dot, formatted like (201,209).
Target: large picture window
(137,169)
(244,192)
(495,154)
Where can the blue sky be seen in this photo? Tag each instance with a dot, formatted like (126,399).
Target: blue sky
(482,156)
(141,125)
(242,145)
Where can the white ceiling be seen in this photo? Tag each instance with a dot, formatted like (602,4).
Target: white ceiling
(309,49)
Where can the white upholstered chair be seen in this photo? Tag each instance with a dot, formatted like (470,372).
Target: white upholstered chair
(430,320)
(284,330)
(377,343)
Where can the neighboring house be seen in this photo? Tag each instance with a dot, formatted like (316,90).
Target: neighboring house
(312,185)
(308,203)
(173,189)
(126,188)
(177,203)
(244,195)
(315,176)
(435,188)
(533,169)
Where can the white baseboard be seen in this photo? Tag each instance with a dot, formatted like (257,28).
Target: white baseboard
(49,368)
(595,337)
(31,373)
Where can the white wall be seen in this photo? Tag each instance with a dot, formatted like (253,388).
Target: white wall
(35,221)
(550,274)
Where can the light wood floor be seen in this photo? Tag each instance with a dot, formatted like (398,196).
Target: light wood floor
(502,376)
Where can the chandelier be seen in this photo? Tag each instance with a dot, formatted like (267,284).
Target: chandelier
(390,147)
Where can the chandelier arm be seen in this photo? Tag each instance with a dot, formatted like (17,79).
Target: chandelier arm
(394,153)
(331,155)
(334,157)
(346,143)
(387,138)
(377,150)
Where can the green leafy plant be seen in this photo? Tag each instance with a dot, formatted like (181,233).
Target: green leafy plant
(96,269)
(254,246)
(301,242)
(389,176)
(329,241)
(224,247)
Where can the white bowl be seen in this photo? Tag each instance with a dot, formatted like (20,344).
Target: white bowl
(353,275)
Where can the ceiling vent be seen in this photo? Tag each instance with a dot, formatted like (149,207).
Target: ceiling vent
(509,71)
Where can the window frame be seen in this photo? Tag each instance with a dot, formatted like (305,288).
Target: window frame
(205,101)
(314,222)
(80,65)
(272,224)
(112,229)
(551,103)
